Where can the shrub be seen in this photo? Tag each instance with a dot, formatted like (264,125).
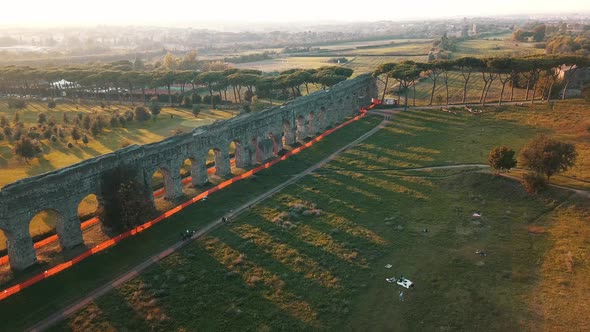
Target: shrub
(42,118)
(85,139)
(3,121)
(51,104)
(70,145)
(27,148)
(53,138)
(33,135)
(16,117)
(86,122)
(66,120)
(1,136)
(76,134)
(141,114)
(501,158)
(95,128)
(533,182)
(154,107)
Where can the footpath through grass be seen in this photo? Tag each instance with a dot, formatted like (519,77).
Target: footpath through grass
(40,300)
(313,256)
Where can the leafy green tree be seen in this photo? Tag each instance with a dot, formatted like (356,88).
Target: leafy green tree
(383,74)
(27,148)
(501,158)
(126,203)
(141,114)
(548,156)
(210,78)
(406,73)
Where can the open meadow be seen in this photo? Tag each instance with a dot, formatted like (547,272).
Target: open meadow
(313,256)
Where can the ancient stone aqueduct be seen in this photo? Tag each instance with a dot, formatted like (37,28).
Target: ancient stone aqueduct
(257,137)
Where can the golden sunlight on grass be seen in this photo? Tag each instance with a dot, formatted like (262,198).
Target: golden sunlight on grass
(565,272)
(271,286)
(90,316)
(291,257)
(380,185)
(319,239)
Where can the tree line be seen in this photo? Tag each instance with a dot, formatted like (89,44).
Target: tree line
(120,81)
(530,72)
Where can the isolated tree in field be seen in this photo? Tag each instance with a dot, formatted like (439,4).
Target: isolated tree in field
(27,148)
(76,134)
(501,158)
(85,139)
(141,114)
(548,156)
(467,65)
(154,107)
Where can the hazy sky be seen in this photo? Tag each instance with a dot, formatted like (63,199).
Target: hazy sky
(161,12)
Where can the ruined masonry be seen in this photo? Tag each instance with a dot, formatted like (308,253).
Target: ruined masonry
(257,137)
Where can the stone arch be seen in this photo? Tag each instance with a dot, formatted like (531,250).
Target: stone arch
(241,153)
(300,132)
(44,223)
(87,206)
(220,156)
(165,177)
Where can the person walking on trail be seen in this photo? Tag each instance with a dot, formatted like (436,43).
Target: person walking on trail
(401,296)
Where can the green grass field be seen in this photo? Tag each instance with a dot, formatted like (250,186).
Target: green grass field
(312,257)
(491,48)
(43,298)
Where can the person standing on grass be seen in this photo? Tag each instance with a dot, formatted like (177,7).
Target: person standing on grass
(401,296)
